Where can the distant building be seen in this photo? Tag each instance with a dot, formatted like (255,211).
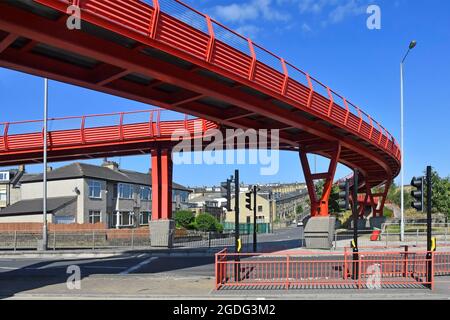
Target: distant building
(264,212)
(213,204)
(274,202)
(9,186)
(84,193)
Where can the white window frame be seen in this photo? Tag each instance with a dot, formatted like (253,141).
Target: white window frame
(120,190)
(141,218)
(131,220)
(92,185)
(149,193)
(94,213)
(3,194)
(4,176)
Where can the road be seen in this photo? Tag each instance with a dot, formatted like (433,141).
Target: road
(144,276)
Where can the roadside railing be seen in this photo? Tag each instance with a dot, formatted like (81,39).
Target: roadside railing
(107,239)
(302,270)
(386,239)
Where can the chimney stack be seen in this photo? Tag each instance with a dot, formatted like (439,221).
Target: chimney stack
(110,165)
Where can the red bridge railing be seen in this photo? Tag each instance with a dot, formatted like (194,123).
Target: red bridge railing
(98,128)
(299,270)
(181,27)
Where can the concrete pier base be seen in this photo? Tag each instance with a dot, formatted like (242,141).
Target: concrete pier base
(362,223)
(319,232)
(162,233)
(376,222)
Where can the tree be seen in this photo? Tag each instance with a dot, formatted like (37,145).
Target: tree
(184,219)
(206,222)
(440,199)
(299,209)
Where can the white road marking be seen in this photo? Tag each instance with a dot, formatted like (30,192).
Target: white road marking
(139,265)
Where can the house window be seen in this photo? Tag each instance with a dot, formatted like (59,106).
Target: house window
(126,219)
(144,218)
(95,216)
(146,193)
(3,195)
(4,176)
(64,219)
(125,191)
(260,208)
(95,188)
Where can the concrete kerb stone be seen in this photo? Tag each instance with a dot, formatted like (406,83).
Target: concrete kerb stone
(106,254)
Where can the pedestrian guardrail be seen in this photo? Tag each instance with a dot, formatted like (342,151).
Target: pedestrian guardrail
(306,270)
(112,238)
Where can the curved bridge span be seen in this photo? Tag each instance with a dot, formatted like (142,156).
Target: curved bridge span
(164,53)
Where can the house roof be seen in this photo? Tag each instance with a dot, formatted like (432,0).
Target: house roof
(84,170)
(34,206)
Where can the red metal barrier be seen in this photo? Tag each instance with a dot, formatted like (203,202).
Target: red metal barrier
(298,270)
(83,130)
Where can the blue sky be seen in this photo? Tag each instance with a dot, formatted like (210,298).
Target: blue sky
(330,40)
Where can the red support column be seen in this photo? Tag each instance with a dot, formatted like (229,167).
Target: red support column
(378,209)
(162,169)
(319,207)
(166,184)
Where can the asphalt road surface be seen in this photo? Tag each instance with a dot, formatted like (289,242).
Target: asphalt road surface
(141,276)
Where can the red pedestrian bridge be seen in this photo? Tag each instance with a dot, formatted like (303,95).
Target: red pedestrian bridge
(165,53)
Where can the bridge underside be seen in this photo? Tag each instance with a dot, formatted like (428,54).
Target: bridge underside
(106,58)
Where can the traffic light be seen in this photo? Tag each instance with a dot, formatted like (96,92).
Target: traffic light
(248,200)
(417,194)
(227,186)
(344,194)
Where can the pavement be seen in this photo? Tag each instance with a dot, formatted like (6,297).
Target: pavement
(159,274)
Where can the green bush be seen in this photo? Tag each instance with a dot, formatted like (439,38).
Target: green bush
(388,213)
(184,218)
(219,227)
(206,222)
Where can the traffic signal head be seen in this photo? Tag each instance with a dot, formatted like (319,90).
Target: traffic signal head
(227,186)
(417,194)
(344,194)
(248,200)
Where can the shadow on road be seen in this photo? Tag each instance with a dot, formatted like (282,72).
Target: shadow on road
(22,275)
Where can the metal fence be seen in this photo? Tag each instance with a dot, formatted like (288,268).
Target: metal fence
(107,239)
(389,239)
(300,270)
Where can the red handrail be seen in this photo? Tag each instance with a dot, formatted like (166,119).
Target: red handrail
(284,64)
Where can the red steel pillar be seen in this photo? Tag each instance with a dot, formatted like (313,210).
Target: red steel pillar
(162,169)
(378,209)
(319,207)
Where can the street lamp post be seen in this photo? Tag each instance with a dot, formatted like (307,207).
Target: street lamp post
(44,174)
(412,45)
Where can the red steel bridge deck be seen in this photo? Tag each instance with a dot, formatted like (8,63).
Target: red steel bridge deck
(96,136)
(165,53)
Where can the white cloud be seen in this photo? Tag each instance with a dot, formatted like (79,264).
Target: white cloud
(351,8)
(253,10)
(249,31)
(306,28)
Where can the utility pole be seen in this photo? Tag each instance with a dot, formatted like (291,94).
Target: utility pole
(255,225)
(412,45)
(355,226)
(44,174)
(236,226)
(429,240)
